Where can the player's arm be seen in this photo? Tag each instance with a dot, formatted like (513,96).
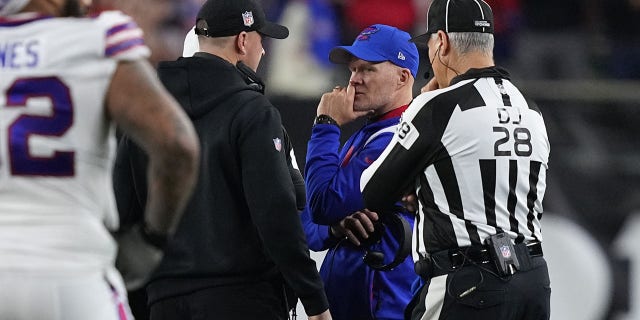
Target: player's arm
(149,115)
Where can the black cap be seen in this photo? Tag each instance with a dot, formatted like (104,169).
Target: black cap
(222,18)
(457,16)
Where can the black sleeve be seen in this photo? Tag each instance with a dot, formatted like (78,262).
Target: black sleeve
(415,143)
(130,182)
(270,195)
(294,171)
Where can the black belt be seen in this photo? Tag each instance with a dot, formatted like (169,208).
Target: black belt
(446,261)
(480,254)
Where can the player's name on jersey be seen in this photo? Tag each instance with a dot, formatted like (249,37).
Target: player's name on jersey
(20,54)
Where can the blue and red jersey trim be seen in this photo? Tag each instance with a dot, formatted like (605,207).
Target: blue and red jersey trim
(18,20)
(126,44)
(391,114)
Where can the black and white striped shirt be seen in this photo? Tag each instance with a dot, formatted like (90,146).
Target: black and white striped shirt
(476,153)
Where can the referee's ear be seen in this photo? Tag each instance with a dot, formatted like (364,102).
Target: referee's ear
(443,43)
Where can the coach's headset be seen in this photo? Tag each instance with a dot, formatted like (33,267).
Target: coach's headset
(401,229)
(250,77)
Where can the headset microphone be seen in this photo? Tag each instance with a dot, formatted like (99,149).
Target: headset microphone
(444,64)
(250,77)
(435,54)
(427,74)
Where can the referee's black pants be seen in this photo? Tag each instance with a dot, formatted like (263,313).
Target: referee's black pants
(477,292)
(246,301)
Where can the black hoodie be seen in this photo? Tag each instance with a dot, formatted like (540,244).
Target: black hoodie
(241,224)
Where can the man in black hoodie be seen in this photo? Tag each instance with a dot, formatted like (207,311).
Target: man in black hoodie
(240,242)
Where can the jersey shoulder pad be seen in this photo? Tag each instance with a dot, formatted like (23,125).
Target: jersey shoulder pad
(123,37)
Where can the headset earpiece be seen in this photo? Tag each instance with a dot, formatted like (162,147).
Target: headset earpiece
(375,236)
(374,259)
(392,221)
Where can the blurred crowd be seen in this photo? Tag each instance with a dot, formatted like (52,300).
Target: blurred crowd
(536,39)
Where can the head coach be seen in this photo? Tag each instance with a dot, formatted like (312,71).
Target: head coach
(240,245)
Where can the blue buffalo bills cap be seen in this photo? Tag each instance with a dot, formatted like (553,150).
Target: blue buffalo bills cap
(379,43)
(456,16)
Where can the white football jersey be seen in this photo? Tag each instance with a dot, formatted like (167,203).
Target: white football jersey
(56,141)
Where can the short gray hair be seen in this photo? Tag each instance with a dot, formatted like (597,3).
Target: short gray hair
(465,42)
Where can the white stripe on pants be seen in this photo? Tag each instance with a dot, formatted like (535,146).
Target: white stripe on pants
(435,298)
(74,296)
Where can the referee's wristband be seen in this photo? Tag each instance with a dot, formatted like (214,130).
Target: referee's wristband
(325,119)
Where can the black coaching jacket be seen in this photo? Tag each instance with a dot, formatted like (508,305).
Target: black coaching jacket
(241,224)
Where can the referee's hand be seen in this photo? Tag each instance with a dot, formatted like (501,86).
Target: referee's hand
(430,86)
(410,202)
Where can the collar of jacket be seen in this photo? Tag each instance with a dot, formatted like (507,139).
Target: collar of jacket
(248,75)
(389,114)
(207,55)
(488,72)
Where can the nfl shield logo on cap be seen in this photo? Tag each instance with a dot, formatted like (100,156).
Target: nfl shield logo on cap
(277,143)
(247,16)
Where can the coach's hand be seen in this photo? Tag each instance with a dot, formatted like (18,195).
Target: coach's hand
(338,104)
(356,227)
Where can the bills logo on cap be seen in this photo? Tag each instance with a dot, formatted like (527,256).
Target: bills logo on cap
(277,143)
(366,33)
(247,17)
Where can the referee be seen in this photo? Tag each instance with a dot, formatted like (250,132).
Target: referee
(476,154)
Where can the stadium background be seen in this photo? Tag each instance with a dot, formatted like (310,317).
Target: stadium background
(578,59)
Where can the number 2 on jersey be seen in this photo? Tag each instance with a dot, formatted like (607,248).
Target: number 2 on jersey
(22,162)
